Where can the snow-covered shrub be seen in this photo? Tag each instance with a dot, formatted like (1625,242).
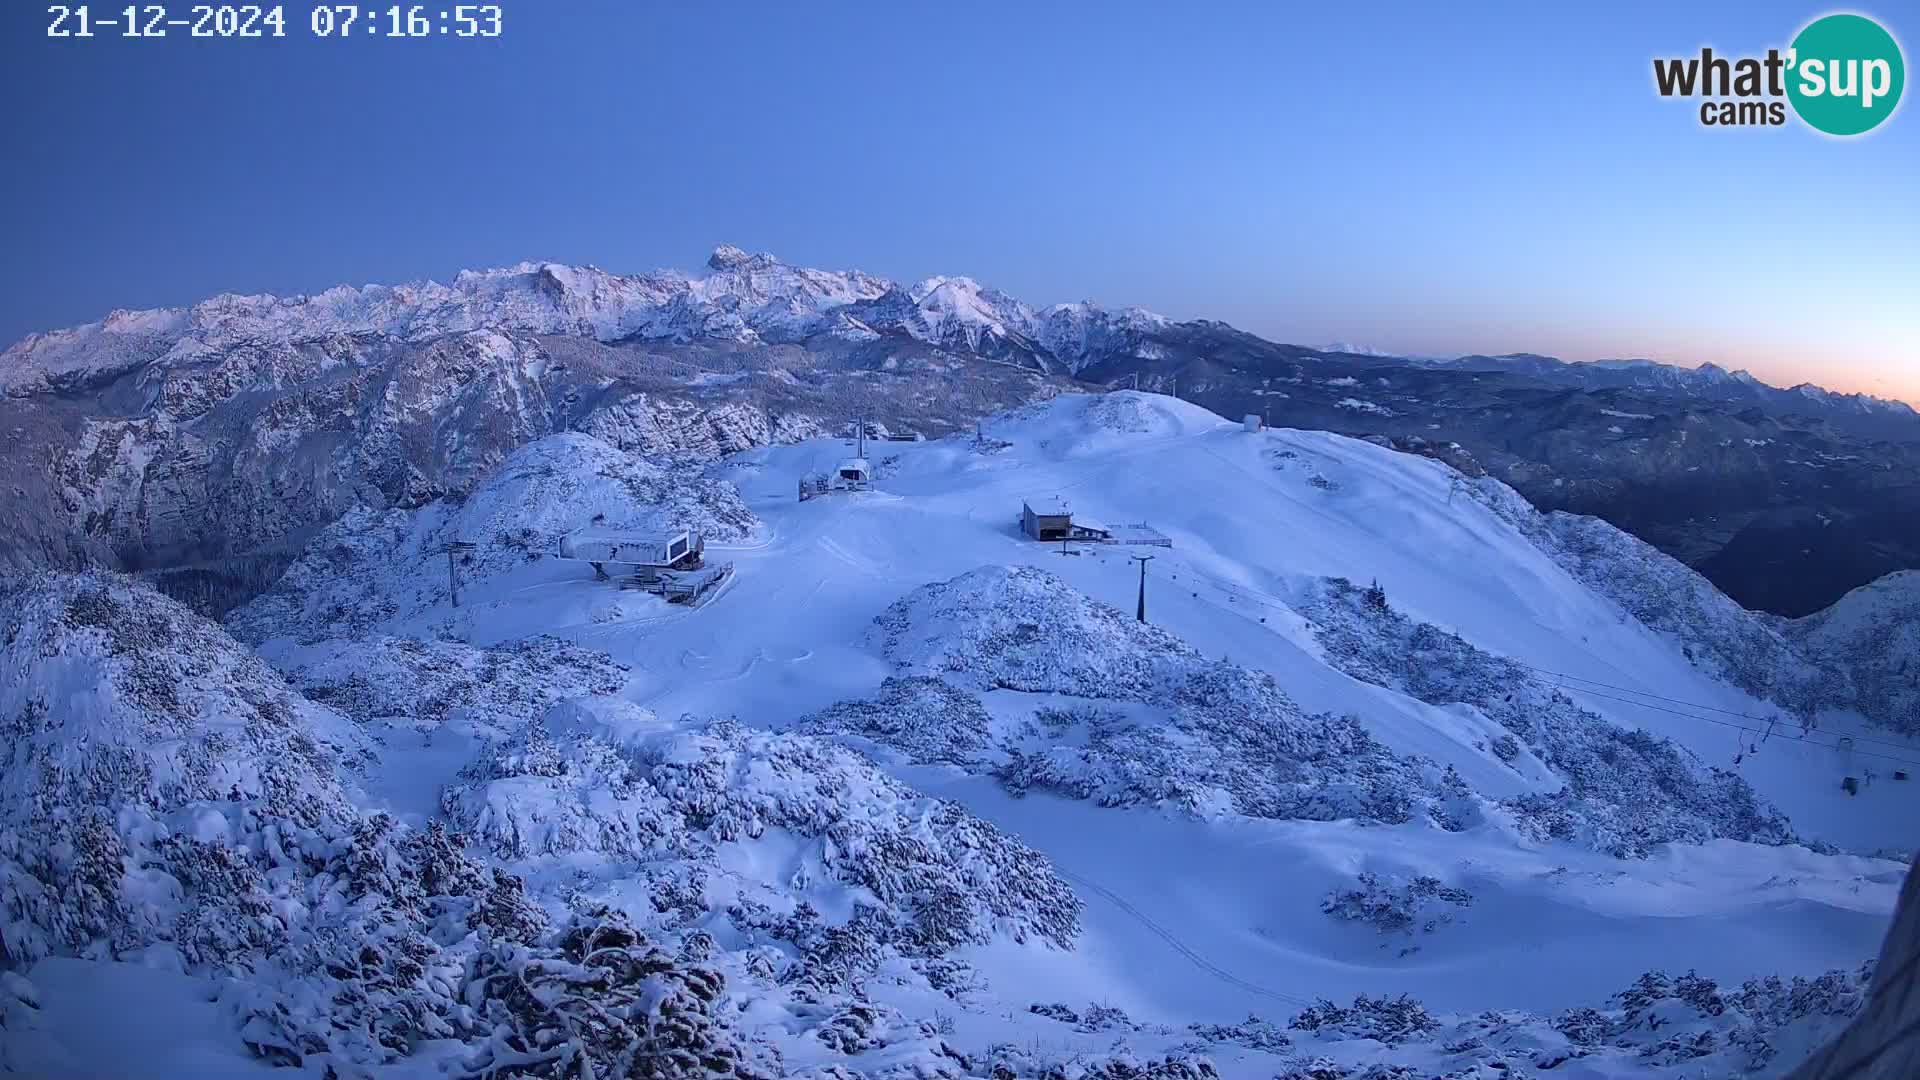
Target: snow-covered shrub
(1009,1062)
(1386,1020)
(428,682)
(1254,1033)
(1095,1017)
(927,718)
(957,877)
(603,1001)
(1326,1068)
(1671,1019)
(857,1027)
(1219,738)
(1661,1026)
(1022,628)
(1421,905)
(1131,412)
(1316,767)
(128,723)
(535,795)
(1506,748)
(605,777)
(835,959)
(177,802)
(1626,791)
(374,966)
(339,585)
(412,941)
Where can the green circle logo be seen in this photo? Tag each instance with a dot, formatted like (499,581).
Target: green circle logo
(1845,74)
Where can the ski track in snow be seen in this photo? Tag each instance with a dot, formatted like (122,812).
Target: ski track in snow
(1176,944)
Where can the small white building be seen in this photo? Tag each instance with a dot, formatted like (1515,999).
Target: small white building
(639,552)
(854,473)
(1252,422)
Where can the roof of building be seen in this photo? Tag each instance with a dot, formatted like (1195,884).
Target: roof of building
(1048,506)
(627,536)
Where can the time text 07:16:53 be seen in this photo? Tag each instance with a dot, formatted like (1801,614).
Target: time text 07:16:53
(270,21)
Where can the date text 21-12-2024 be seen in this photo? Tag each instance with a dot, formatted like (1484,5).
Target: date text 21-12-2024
(270,21)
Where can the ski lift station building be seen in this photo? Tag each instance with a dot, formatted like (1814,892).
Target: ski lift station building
(678,549)
(1048,518)
(854,473)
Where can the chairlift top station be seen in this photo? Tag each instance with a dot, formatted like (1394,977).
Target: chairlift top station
(856,472)
(669,564)
(675,550)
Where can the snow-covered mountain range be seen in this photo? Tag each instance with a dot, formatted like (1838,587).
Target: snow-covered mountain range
(1400,777)
(216,439)
(742,299)
(1708,380)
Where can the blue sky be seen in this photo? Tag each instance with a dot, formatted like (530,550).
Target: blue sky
(1419,177)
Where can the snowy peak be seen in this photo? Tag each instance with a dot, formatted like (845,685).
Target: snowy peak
(1861,403)
(728,257)
(746,298)
(1348,348)
(958,311)
(1080,332)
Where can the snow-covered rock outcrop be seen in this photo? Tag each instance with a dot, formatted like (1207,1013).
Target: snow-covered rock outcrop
(675,804)
(375,568)
(141,743)
(1869,643)
(426,683)
(1149,720)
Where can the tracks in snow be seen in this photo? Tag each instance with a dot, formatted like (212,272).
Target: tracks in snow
(1177,945)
